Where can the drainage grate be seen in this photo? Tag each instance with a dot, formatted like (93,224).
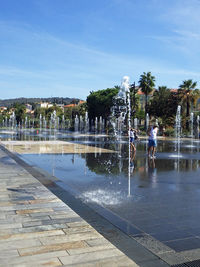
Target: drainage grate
(188,264)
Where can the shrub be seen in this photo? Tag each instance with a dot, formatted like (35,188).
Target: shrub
(169,132)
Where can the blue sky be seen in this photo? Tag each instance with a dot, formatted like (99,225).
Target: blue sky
(71,47)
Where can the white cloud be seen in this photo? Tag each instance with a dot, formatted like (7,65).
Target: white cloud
(183,21)
(73,69)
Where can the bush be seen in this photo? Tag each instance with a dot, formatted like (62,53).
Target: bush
(169,132)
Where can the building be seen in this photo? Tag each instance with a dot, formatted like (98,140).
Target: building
(74,105)
(60,106)
(29,108)
(2,109)
(44,105)
(142,98)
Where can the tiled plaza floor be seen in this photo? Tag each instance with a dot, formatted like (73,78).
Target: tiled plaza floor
(30,212)
(38,229)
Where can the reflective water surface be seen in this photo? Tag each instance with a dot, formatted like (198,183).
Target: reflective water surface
(160,197)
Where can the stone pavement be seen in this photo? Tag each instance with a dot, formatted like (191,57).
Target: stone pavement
(38,229)
(55,147)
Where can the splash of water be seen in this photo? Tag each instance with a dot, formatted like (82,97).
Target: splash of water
(103,197)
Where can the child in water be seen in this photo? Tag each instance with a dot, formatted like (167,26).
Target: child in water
(152,144)
(132,135)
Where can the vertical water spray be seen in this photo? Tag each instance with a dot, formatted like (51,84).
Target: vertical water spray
(76,124)
(178,123)
(6,122)
(178,134)
(192,128)
(135,123)
(100,125)
(40,123)
(26,122)
(81,124)
(63,122)
(191,124)
(12,120)
(96,126)
(197,126)
(147,121)
(44,123)
(119,109)
(58,123)
(129,127)
(86,122)
(156,123)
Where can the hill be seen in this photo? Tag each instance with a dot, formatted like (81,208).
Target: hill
(23,100)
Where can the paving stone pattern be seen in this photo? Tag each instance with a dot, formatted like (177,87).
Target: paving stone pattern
(38,229)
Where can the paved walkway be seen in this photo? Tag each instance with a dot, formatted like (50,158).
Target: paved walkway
(38,229)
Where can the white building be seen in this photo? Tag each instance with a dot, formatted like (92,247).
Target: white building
(44,105)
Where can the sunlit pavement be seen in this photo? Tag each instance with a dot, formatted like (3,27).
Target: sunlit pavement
(37,228)
(161,206)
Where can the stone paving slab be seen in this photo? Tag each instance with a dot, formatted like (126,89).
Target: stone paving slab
(56,147)
(38,229)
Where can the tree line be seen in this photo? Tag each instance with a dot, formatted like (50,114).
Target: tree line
(34,100)
(160,103)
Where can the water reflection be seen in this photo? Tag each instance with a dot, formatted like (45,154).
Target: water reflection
(145,192)
(108,164)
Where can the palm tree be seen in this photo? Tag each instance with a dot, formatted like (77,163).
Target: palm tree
(146,83)
(133,98)
(188,95)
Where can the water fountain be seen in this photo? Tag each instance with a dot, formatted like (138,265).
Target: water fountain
(76,124)
(96,126)
(100,125)
(135,123)
(147,121)
(191,124)
(63,122)
(120,110)
(86,122)
(197,126)
(44,123)
(156,123)
(6,122)
(53,122)
(33,125)
(26,123)
(12,120)
(40,122)
(58,123)
(178,136)
(178,123)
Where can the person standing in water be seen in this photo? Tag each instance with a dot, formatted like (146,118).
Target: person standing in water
(132,135)
(152,144)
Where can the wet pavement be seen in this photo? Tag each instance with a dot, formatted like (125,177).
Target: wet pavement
(157,205)
(38,229)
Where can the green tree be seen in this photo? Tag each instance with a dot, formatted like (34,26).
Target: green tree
(146,83)
(188,95)
(163,105)
(134,99)
(39,111)
(20,111)
(99,103)
(58,110)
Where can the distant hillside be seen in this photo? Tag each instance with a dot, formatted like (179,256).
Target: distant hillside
(23,100)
